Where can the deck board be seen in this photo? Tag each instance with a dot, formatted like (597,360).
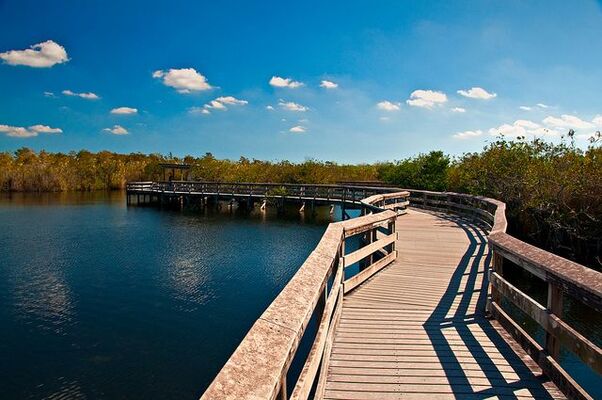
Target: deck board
(417,330)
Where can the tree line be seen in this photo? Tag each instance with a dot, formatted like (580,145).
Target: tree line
(552,191)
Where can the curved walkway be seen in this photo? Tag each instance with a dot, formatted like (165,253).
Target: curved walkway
(417,328)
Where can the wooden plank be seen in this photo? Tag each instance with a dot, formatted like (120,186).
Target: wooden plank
(361,277)
(365,251)
(396,340)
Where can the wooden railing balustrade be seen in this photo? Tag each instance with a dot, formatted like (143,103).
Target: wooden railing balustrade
(563,278)
(259,367)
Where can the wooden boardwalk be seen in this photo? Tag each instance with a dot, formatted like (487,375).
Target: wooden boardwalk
(417,330)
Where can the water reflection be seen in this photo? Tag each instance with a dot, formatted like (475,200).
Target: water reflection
(44,301)
(188,277)
(98,300)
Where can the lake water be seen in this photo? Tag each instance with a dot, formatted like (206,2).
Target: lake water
(98,300)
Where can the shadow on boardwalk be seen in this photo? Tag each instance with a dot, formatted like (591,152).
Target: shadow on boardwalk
(457,315)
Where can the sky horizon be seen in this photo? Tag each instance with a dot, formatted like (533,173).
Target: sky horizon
(342,81)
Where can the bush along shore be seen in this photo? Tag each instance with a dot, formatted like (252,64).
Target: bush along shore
(552,190)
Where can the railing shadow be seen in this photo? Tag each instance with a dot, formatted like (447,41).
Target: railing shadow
(466,321)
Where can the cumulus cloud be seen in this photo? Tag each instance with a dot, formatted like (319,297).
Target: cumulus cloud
(386,105)
(468,134)
(459,109)
(477,93)
(85,95)
(214,104)
(219,104)
(277,81)
(124,111)
(269,107)
(525,108)
(521,127)
(231,100)
(297,129)
(292,106)
(22,132)
(566,121)
(117,130)
(329,85)
(184,80)
(426,98)
(41,55)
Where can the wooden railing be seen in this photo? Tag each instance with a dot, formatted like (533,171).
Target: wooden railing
(324,193)
(563,278)
(259,367)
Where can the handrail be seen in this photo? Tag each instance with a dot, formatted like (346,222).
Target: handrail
(258,368)
(564,278)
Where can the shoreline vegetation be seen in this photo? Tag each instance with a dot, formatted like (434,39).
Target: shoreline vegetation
(552,191)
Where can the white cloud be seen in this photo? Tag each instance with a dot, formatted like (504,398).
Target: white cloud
(184,80)
(269,107)
(477,93)
(522,127)
(41,55)
(218,104)
(297,129)
(44,129)
(566,121)
(459,109)
(329,85)
(426,98)
(34,130)
(199,110)
(277,81)
(292,106)
(231,100)
(597,120)
(384,118)
(541,105)
(124,111)
(117,130)
(49,94)
(386,105)
(525,108)
(468,134)
(526,124)
(85,95)
(214,104)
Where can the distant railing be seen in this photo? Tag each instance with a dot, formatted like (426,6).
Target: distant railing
(346,194)
(562,276)
(259,367)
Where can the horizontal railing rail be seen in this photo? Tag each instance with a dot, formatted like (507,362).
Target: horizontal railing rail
(563,278)
(258,368)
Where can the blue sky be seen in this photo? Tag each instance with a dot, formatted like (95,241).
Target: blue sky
(410,76)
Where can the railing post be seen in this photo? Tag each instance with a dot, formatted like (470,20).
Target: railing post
(497,265)
(391,227)
(555,303)
(282,395)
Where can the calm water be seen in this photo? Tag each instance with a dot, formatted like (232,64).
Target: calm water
(102,301)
